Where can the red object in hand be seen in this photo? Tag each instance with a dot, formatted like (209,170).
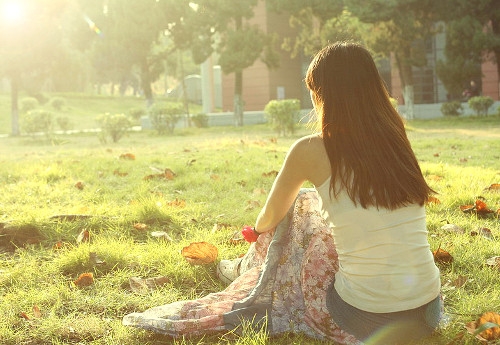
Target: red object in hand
(249,234)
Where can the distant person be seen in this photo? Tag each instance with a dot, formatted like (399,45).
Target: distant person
(347,260)
(471,91)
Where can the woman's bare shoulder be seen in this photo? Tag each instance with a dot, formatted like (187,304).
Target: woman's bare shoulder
(312,155)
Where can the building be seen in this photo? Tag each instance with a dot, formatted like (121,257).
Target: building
(260,85)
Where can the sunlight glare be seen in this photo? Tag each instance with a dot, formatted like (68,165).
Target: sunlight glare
(12,12)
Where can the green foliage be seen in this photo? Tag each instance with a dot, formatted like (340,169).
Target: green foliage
(453,108)
(200,120)
(64,123)
(113,125)
(136,113)
(283,115)
(481,104)
(164,116)
(57,103)
(28,104)
(38,121)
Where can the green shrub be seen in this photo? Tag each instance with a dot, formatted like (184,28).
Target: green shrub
(453,108)
(283,115)
(200,120)
(113,125)
(38,121)
(28,104)
(64,123)
(57,103)
(136,113)
(481,104)
(165,116)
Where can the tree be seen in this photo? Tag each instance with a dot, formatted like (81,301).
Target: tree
(238,43)
(24,51)
(316,22)
(472,37)
(400,28)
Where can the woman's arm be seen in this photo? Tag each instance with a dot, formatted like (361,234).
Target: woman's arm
(298,167)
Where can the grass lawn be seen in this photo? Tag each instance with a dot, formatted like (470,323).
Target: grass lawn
(52,194)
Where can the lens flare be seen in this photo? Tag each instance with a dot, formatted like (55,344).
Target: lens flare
(12,12)
(93,26)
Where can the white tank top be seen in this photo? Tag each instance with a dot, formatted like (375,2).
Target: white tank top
(385,261)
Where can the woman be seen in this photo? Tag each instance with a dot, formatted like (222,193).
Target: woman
(349,260)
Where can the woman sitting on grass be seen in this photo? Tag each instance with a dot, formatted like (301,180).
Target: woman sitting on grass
(348,260)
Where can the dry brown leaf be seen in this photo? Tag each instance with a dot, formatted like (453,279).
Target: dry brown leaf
(85,279)
(442,256)
(434,177)
(242,183)
(140,226)
(433,200)
(127,156)
(486,327)
(83,236)
(200,253)
(79,185)
(119,173)
(144,285)
(214,177)
(493,187)
(272,173)
(36,312)
(484,232)
(460,281)
(177,203)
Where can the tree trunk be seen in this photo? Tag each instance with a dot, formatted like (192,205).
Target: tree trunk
(406,75)
(185,100)
(238,98)
(146,84)
(14,91)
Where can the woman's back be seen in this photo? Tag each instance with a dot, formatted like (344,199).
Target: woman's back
(385,263)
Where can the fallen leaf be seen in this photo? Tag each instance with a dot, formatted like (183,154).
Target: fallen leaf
(237,238)
(36,312)
(442,256)
(252,204)
(79,185)
(177,203)
(144,285)
(127,156)
(242,183)
(460,281)
(494,187)
(434,177)
(200,253)
(272,173)
(24,316)
(83,236)
(433,200)
(119,173)
(494,261)
(162,235)
(484,232)
(480,208)
(453,228)
(140,226)
(85,279)
(214,177)
(486,327)
(95,260)
(273,140)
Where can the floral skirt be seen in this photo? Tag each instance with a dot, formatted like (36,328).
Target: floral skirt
(283,284)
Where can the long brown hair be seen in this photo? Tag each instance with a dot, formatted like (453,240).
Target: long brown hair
(364,136)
